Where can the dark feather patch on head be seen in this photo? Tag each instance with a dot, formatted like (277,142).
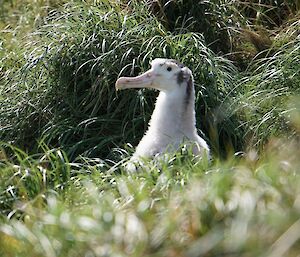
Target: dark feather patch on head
(180,77)
(189,86)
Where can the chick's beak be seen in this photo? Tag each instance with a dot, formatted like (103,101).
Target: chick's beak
(141,81)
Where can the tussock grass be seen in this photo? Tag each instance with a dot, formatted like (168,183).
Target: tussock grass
(214,19)
(65,89)
(62,90)
(267,90)
(30,176)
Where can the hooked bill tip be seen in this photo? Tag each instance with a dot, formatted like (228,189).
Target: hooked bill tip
(119,83)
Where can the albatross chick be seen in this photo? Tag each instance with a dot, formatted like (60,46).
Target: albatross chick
(173,120)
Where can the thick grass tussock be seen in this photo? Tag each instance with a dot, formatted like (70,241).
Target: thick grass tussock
(267,90)
(214,19)
(65,88)
(58,85)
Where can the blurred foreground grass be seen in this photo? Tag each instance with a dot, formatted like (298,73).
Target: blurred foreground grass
(246,206)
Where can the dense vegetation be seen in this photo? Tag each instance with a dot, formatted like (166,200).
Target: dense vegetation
(65,133)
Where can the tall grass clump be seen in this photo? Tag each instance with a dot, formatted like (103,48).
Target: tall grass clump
(268,13)
(17,20)
(214,19)
(29,178)
(266,90)
(64,90)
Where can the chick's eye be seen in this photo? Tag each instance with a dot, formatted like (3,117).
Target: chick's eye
(169,68)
